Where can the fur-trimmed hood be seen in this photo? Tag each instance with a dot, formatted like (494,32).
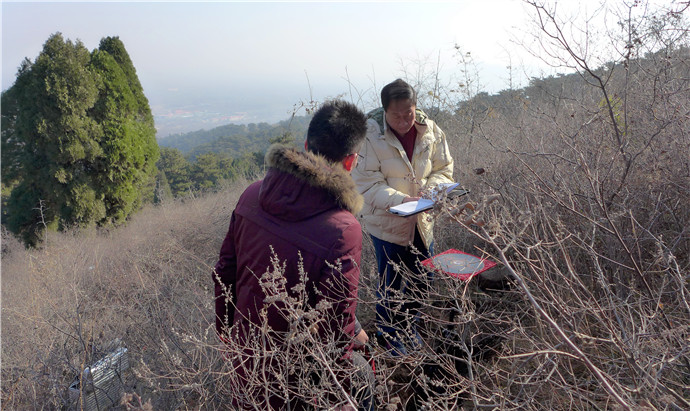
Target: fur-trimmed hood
(316,171)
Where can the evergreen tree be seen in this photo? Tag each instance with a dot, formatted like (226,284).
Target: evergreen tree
(80,138)
(11,146)
(126,171)
(206,171)
(163,191)
(176,169)
(58,146)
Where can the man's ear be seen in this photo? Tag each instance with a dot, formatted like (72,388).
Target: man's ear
(349,162)
(305,146)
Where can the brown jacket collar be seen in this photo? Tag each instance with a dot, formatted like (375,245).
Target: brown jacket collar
(318,172)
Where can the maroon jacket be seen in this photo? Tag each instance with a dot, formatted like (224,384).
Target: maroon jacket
(303,207)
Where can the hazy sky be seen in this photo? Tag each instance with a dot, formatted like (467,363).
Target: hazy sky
(271,53)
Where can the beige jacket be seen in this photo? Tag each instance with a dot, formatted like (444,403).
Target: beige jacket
(384,176)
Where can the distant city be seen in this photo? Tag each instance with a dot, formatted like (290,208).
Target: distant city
(177,111)
(181,120)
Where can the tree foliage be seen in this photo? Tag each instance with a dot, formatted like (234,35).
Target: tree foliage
(80,139)
(127,166)
(206,172)
(175,168)
(234,140)
(203,160)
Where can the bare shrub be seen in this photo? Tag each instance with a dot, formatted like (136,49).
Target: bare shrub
(593,176)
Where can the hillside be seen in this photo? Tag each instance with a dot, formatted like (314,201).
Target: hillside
(580,186)
(235,140)
(579,194)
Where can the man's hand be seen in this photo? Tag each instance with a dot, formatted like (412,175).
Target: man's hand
(361,339)
(408,199)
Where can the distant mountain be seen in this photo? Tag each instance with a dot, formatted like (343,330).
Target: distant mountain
(234,140)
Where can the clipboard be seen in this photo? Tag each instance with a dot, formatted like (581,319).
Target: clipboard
(410,208)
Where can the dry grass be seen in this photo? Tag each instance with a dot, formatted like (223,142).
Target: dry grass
(143,283)
(149,284)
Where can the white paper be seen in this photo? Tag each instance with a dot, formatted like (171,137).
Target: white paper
(412,207)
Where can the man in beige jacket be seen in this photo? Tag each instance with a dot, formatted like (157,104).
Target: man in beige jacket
(404,153)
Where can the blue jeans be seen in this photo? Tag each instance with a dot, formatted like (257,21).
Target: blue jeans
(399,293)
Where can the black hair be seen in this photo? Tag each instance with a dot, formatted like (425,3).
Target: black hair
(397,90)
(336,130)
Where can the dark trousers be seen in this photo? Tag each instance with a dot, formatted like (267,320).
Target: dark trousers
(399,292)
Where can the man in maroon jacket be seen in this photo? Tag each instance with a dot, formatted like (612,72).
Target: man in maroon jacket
(293,239)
